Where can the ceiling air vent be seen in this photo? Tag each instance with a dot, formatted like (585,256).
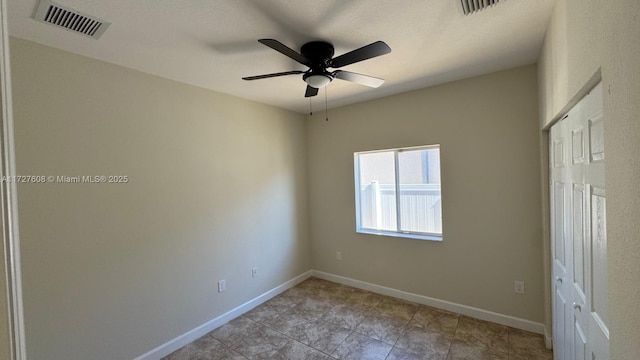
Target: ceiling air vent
(70,19)
(471,6)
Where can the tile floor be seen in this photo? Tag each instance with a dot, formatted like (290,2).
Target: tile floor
(319,319)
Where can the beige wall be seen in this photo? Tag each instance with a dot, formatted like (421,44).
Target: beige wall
(217,186)
(5,339)
(487,128)
(583,38)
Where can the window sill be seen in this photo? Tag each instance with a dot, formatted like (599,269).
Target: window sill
(400,235)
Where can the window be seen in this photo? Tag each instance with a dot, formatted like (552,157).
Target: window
(398,192)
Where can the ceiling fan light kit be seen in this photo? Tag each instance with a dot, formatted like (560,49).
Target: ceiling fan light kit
(317,81)
(318,56)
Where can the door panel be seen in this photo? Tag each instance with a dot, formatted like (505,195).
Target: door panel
(580,341)
(558,152)
(578,211)
(599,255)
(559,228)
(596,138)
(577,146)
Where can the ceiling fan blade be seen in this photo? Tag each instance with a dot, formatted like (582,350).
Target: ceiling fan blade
(311,91)
(366,52)
(265,76)
(284,49)
(365,80)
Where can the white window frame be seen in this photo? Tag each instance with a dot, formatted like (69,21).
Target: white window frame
(398,232)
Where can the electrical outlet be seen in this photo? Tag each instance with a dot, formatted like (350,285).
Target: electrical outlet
(339,255)
(254,272)
(222,286)
(519,287)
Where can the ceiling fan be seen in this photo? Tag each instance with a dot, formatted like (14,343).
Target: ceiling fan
(318,56)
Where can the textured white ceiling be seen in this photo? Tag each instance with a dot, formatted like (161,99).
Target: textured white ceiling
(213,43)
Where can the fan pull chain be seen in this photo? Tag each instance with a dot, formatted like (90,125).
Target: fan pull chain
(326,116)
(310,112)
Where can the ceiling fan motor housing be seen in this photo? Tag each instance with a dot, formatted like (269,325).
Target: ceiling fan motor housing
(318,52)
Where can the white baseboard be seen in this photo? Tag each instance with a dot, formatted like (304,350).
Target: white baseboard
(184,339)
(548,340)
(471,311)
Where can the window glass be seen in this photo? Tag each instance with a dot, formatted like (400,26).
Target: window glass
(398,192)
(378,191)
(419,184)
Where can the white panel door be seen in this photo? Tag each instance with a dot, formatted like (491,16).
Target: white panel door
(578,223)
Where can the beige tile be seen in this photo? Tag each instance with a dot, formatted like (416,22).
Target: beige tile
(435,320)
(525,345)
(322,289)
(263,313)
(297,293)
(204,343)
(225,354)
(314,283)
(208,348)
(321,335)
(532,356)
(282,303)
(334,294)
(364,299)
(426,314)
(180,354)
(490,335)
(345,316)
(313,309)
(473,349)
(339,289)
(396,308)
(382,328)
(233,331)
(287,322)
(400,354)
(357,346)
(260,342)
(297,351)
(430,344)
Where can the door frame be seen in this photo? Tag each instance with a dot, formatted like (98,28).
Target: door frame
(9,203)
(546,237)
(548,282)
